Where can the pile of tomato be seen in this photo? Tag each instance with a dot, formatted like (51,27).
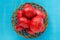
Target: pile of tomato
(30,19)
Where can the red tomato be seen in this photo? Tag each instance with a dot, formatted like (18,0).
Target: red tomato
(29,11)
(19,28)
(19,13)
(40,13)
(42,29)
(27,5)
(24,22)
(36,23)
(30,32)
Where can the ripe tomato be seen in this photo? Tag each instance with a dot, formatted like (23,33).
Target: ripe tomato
(42,28)
(19,28)
(36,23)
(30,32)
(32,26)
(24,22)
(19,13)
(29,11)
(40,13)
(27,5)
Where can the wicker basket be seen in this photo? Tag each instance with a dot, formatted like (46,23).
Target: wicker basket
(23,32)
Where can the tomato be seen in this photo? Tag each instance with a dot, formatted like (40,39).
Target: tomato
(29,11)
(30,32)
(19,13)
(24,22)
(19,28)
(40,13)
(27,5)
(36,23)
(42,29)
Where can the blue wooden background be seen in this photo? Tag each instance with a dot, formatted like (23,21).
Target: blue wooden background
(7,8)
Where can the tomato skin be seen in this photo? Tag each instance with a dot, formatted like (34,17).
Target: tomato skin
(42,29)
(30,32)
(19,28)
(27,5)
(29,11)
(19,13)
(24,22)
(36,23)
(40,13)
